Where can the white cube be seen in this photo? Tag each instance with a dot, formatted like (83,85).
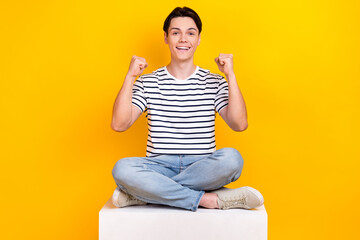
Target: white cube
(160,222)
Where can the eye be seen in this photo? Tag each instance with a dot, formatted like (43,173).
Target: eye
(192,33)
(174,33)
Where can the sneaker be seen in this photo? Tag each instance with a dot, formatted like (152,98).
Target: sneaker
(243,197)
(122,199)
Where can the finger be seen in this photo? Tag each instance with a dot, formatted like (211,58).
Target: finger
(142,65)
(217,62)
(221,61)
(145,63)
(225,59)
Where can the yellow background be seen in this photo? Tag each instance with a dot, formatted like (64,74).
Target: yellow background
(63,63)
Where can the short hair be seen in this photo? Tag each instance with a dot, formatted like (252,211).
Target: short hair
(182,12)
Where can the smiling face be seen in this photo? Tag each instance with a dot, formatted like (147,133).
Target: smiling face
(183,38)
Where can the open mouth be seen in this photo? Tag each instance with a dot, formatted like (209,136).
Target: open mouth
(183,49)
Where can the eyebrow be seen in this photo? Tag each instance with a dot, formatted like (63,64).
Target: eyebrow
(175,28)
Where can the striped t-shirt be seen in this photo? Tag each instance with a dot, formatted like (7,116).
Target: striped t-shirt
(180,113)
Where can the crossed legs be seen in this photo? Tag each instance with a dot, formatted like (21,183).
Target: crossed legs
(161,180)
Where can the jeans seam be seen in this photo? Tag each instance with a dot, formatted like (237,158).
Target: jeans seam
(165,165)
(180,164)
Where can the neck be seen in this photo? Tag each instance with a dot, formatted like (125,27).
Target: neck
(181,70)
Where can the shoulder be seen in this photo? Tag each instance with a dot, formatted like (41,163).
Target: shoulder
(156,74)
(210,75)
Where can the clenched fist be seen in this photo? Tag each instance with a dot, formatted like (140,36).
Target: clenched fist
(137,66)
(225,63)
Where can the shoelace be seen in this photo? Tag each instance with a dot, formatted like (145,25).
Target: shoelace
(131,198)
(235,202)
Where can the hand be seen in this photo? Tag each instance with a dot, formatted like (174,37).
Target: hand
(225,63)
(137,66)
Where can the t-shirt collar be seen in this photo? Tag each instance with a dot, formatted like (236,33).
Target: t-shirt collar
(191,76)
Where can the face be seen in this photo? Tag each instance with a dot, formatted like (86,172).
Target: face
(183,38)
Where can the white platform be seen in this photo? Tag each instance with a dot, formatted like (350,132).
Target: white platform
(160,222)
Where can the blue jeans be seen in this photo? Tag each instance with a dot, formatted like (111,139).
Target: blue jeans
(177,180)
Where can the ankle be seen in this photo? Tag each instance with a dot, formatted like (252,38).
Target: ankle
(209,200)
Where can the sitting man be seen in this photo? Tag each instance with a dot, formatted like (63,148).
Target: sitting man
(180,101)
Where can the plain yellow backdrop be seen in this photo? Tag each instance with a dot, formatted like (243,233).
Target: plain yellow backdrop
(63,63)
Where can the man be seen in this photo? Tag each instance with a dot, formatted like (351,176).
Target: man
(181,100)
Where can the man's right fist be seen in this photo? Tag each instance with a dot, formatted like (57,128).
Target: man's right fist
(137,66)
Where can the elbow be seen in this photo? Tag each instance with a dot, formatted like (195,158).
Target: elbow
(241,127)
(118,128)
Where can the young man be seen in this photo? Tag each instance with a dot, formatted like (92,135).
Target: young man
(181,100)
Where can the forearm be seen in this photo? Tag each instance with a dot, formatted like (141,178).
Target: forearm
(236,112)
(122,110)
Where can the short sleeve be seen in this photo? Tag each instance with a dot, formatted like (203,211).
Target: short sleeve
(138,95)
(222,94)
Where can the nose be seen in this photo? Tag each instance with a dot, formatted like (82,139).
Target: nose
(182,38)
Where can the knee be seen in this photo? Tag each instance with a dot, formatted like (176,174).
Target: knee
(121,169)
(233,159)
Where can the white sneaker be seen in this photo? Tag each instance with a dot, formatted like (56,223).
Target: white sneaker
(243,197)
(122,199)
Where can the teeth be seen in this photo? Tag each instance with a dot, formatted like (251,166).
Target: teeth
(183,48)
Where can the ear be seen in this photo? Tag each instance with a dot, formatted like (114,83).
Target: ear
(199,39)
(165,38)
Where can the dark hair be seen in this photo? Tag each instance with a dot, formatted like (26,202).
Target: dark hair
(182,12)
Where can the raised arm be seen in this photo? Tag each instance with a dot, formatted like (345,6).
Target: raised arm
(234,114)
(124,112)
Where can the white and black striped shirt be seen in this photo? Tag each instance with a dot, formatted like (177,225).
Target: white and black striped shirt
(180,113)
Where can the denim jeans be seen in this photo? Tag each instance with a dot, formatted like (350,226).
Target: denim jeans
(177,180)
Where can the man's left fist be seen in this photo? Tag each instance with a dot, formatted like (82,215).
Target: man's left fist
(225,63)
